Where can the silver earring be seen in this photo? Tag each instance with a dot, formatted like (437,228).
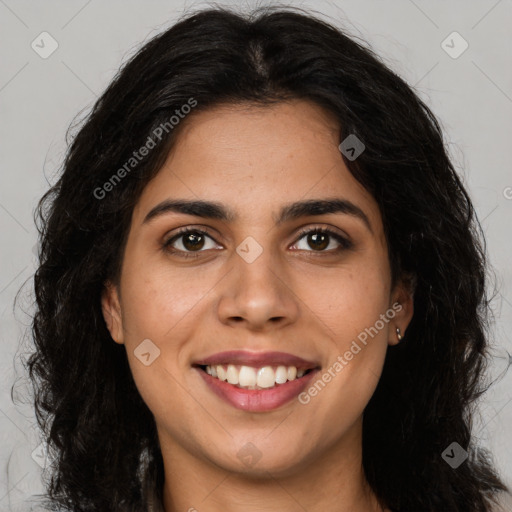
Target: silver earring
(398,334)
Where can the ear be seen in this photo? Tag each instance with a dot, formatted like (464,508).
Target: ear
(111,308)
(402,302)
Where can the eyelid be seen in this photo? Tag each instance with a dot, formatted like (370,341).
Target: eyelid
(341,237)
(187,229)
(321,227)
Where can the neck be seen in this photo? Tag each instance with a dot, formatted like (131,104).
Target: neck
(333,481)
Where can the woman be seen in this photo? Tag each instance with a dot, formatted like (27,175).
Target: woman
(261,285)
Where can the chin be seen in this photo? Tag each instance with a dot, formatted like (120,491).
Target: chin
(260,464)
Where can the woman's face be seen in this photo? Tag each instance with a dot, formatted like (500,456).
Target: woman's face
(261,288)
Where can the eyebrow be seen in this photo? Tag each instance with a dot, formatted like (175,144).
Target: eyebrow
(292,211)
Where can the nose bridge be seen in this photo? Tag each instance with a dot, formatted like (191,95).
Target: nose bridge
(256,294)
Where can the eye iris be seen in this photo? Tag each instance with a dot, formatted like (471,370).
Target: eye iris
(318,241)
(193,241)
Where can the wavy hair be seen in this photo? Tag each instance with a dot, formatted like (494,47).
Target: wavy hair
(101,432)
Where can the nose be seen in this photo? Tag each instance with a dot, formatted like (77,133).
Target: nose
(257,296)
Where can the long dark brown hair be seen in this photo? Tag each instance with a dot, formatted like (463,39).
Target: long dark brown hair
(84,390)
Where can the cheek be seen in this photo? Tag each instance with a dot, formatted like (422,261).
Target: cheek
(347,300)
(351,306)
(159,299)
(161,307)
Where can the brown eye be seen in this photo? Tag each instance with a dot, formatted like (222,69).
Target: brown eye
(321,240)
(189,241)
(318,241)
(193,241)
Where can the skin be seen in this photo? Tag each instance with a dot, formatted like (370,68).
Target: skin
(293,298)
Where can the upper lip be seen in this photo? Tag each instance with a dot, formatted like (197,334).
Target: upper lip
(256,359)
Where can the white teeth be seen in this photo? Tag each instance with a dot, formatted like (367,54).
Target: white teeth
(292,372)
(266,377)
(255,378)
(221,373)
(281,374)
(247,376)
(232,374)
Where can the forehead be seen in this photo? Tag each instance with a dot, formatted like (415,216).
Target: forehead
(255,158)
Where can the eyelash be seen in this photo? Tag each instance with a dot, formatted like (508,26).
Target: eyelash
(344,242)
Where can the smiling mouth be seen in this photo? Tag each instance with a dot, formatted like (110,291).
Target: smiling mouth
(255,378)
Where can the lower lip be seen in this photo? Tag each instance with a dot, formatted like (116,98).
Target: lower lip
(257,400)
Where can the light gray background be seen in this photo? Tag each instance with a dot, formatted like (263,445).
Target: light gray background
(471,95)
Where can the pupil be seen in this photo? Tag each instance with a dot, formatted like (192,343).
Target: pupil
(193,241)
(318,241)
